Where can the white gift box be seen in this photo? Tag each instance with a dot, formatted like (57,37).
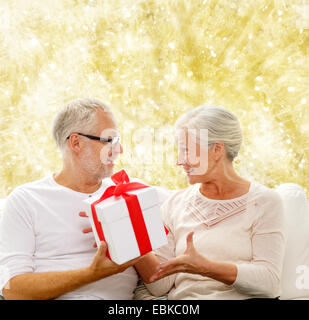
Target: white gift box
(113,215)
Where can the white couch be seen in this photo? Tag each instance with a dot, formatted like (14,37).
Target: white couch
(295,275)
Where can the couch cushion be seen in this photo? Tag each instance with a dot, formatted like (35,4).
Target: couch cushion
(141,293)
(2,202)
(295,274)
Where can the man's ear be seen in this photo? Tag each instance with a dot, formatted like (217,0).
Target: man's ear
(75,143)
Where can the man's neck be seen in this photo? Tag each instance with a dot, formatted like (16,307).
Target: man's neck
(77,181)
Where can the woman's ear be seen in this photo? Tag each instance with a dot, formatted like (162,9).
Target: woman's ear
(218,150)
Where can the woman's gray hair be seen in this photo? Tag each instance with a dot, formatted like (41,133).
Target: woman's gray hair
(222,125)
(77,116)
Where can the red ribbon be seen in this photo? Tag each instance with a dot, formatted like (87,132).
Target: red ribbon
(123,185)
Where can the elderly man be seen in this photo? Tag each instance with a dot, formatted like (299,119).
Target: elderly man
(41,244)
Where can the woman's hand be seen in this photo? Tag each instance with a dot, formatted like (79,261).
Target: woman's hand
(189,262)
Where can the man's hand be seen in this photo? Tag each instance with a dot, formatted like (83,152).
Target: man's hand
(145,265)
(102,266)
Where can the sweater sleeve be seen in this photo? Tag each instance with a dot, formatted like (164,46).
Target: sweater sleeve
(261,277)
(163,286)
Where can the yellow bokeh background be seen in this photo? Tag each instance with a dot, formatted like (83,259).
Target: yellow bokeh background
(151,61)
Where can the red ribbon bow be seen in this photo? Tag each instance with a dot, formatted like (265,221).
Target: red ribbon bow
(122,187)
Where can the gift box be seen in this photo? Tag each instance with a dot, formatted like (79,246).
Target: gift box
(127,217)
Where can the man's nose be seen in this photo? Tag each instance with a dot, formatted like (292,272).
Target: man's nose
(118,148)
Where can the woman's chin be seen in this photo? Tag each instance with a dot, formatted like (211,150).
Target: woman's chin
(192,179)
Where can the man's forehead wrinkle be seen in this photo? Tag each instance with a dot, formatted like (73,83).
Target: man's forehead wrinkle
(107,123)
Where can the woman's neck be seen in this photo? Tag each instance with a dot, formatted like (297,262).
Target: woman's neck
(224,185)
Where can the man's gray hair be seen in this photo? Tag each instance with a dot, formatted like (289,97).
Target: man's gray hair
(222,125)
(77,116)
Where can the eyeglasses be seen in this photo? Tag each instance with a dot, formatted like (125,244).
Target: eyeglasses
(113,140)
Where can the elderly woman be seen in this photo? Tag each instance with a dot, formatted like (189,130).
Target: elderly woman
(226,233)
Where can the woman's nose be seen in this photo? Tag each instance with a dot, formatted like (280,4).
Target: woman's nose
(181,160)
